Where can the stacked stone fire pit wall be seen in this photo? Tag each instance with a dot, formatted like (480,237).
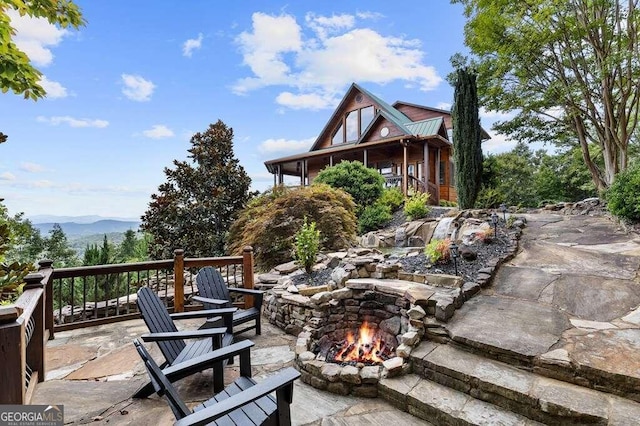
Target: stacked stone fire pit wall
(392,307)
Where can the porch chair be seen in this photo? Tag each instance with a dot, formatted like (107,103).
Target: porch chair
(214,293)
(243,402)
(172,342)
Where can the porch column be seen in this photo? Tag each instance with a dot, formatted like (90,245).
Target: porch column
(405,179)
(425,165)
(366,158)
(437,200)
(275,178)
(280,179)
(331,161)
(305,165)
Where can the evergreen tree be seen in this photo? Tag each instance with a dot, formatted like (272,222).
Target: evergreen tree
(57,248)
(127,248)
(194,209)
(105,252)
(467,138)
(91,255)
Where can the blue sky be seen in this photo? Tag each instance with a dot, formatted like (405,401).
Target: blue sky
(128,90)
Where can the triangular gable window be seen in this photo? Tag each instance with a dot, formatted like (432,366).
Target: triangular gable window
(353,125)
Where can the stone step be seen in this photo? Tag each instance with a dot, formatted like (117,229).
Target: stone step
(441,405)
(540,398)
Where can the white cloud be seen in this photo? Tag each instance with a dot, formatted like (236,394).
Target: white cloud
(191,44)
(32,167)
(369,15)
(498,144)
(313,101)
(73,122)
(159,131)
(53,88)
(41,184)
(283,145)
(7,176)
(35,36)
(318,61)
(444,105)
(137,88)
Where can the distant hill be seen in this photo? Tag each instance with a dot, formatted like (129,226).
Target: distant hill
(48,218)
(72,229)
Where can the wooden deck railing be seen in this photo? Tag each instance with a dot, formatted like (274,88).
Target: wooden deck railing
(93,295)
(23,335)
(107,294)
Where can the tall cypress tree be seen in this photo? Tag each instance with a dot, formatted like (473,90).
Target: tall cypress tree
(466,137)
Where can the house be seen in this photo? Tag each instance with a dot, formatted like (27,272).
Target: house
(409,144)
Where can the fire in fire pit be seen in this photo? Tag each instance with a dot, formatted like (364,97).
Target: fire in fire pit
(368,348)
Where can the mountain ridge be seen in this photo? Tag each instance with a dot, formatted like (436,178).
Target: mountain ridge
(104,226)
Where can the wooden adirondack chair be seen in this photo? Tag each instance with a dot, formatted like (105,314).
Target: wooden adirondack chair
(243,402)
(214,292)
(172,342)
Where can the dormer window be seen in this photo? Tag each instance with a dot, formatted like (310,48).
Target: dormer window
(353,124)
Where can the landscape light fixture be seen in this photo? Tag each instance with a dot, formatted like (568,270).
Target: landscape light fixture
(453,248)
(503,209)
(494,220)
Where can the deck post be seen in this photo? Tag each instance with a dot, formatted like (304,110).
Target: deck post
(247,274)
(365,158)
(425,166)
(331,161)
(45,268)
(437,200)
(178,280)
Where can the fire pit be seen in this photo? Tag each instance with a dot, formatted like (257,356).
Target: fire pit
(368,346)
(357,336)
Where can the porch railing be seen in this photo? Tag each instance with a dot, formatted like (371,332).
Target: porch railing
(23,333)
(93,295)
(105,293)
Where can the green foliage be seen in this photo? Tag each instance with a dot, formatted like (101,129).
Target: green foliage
(374,217)
(16,72)
(467,138)
(56,248)
(307,244)
(623,196)
(270,221)
(447,203)
(364,184)
(11,273)
(417,206)
(392,197)
(523,177)
(510,220)
(573,96)
(438,250)
(196,206)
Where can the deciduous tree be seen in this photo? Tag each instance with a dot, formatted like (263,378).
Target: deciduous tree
(194,209)
(568,69)
(16,71)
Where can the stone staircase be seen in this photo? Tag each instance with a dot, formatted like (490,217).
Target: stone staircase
(451,386)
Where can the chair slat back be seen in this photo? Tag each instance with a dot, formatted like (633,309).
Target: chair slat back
(211,284)
(161,383)
(157,318)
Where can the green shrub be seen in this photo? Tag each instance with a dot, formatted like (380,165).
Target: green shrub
(447,203)
(438,250)
(623,196)
(364,184)
(270,221)
(373,217)
(392,197)
(489,198)
(417,206)
(510,220)
(307,245)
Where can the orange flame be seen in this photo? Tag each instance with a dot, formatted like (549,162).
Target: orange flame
(366,348)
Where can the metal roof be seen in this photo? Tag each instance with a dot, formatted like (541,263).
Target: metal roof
(428,127)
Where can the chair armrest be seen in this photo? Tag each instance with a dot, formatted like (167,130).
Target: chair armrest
(187,334)
(202,314)
(207,300)
(219,409)
(196,364)
(251,291)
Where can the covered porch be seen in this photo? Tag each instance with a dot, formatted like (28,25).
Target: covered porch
(413,164)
